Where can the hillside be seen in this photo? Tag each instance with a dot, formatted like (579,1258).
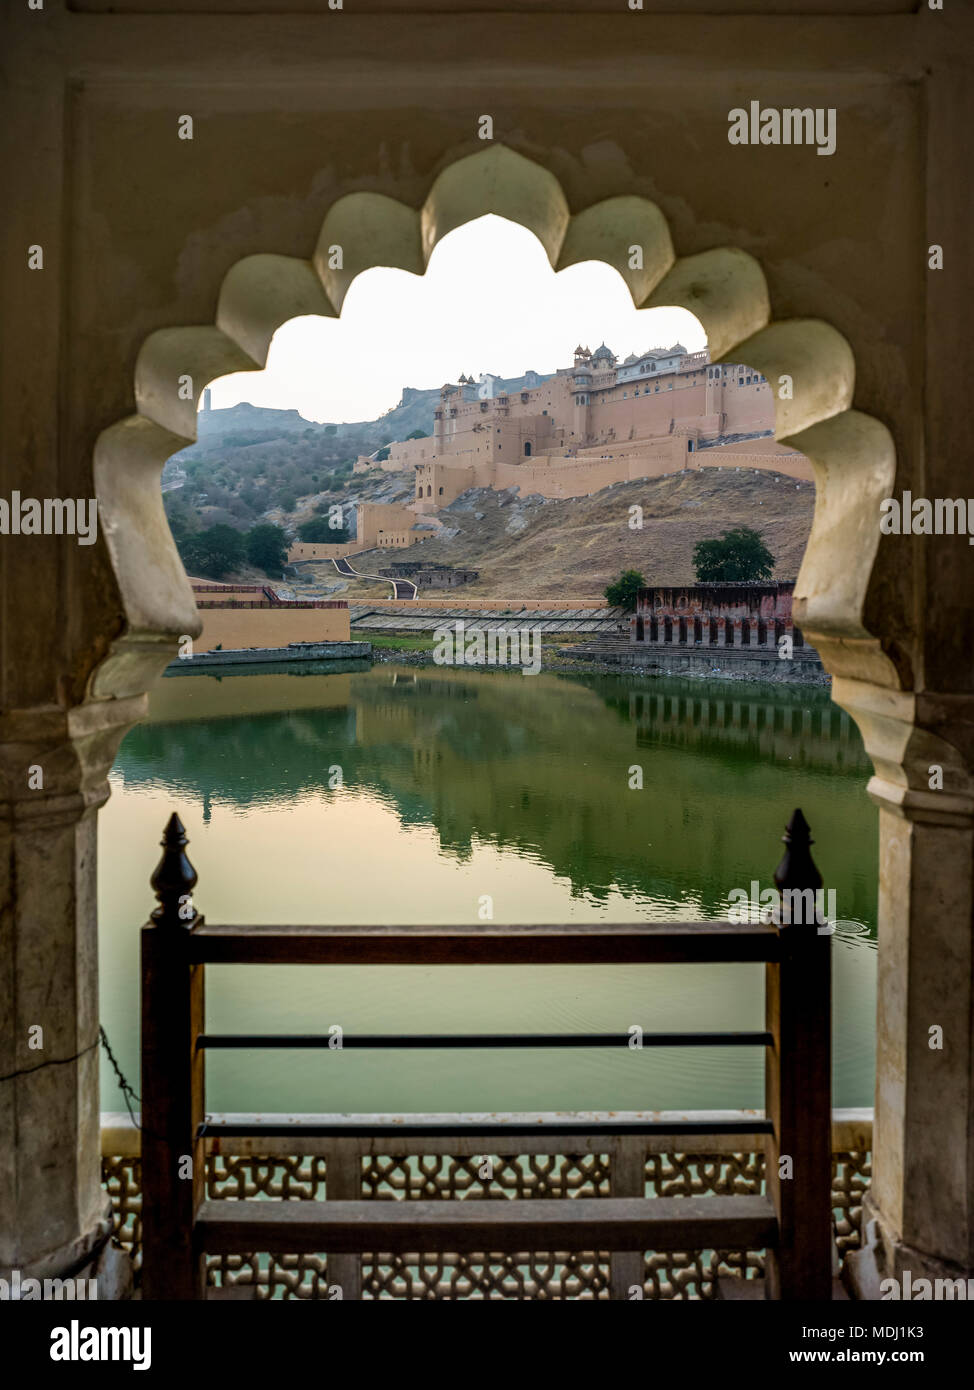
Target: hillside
(251,463)
(534,548)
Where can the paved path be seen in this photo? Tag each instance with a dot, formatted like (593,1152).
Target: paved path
(400,587)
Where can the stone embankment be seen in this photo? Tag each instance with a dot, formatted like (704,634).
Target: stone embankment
(561,659)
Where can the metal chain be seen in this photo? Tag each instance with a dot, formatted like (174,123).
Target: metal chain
(126,1088)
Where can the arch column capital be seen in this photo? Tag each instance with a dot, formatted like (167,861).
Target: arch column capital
(922,748)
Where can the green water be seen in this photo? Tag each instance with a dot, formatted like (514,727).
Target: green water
(458,787)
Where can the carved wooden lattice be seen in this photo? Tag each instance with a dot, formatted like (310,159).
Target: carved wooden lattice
(426,1177)
(486,1276)
(123,1182)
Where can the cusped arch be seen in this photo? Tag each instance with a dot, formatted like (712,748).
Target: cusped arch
(725,288)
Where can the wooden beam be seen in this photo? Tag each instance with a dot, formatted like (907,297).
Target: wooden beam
(478,943)
(581,1223)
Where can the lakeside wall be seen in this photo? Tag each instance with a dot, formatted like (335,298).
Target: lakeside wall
(272,627)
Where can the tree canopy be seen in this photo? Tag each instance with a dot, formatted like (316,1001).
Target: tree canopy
(213,552)
(735,557)
(622,592)
(267,547)
(318,530)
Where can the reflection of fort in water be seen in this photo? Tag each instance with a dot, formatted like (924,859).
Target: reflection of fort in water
(536,766)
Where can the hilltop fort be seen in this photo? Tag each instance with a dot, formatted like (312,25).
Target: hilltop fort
(595,423)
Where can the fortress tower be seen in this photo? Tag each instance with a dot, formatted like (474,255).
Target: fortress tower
(582,395)
(714,403)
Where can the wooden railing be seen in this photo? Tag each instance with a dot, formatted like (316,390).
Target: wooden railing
(791,1220)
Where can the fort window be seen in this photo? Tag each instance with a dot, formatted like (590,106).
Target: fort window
(527,452)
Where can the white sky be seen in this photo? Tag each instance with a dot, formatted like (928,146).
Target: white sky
(489,302)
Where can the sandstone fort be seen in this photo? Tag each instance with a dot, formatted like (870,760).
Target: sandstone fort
(597,422)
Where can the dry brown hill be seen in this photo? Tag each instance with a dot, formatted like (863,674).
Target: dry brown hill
(530,547)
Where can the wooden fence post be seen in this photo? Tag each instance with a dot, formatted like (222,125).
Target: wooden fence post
(173,1157)
(798,1081)
(628,1179)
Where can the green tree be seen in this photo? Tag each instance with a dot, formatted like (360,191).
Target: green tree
(317,530)
(622,592)
(416,434)
(287,502)
(382,455)
(214,552)
(267,548)
(183,521)
(736,556)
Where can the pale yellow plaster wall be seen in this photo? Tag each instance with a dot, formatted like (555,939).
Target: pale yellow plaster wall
(270,627)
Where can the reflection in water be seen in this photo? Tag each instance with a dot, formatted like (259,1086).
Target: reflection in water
(416,794)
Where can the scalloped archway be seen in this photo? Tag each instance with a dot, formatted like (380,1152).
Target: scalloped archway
(852,453)
(847,601)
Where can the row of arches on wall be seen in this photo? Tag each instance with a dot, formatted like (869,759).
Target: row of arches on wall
(703,631)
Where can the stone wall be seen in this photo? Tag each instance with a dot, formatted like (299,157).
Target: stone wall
(321,550)
(272,627)
(385,525)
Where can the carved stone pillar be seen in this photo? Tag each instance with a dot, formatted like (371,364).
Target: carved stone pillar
(919,1213)
(54,1213)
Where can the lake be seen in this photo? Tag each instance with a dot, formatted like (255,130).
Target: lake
(405,794)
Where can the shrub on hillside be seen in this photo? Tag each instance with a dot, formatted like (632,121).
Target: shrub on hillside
(213,552)
(266,548)
(622,593)
(735,557)
(318,531)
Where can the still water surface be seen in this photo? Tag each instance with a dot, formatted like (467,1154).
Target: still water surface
(458,786)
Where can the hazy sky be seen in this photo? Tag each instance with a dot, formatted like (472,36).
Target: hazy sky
(489,301)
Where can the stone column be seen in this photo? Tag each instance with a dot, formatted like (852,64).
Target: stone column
(919,1213)
(753,622)
(722,632)
(55,1216)
(737,632)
